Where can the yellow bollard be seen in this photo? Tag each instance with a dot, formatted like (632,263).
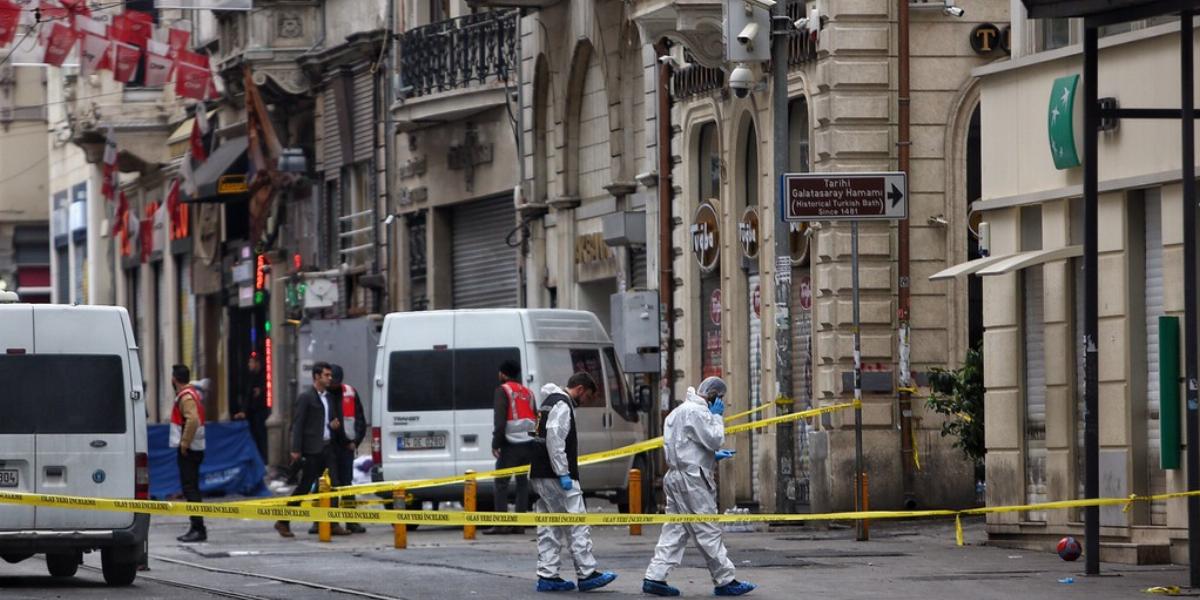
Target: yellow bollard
(324,528)
(399,530)
(635,498)
(469,503)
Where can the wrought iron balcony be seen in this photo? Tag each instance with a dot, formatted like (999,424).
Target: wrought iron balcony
(457,53)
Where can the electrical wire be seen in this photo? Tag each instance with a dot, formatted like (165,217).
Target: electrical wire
(23,171)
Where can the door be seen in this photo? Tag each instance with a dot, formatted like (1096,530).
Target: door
(484,266)
(591,417)
(85,433)
(1035,393)
(1154,310)
(624,428)
(17,448)
(418,401)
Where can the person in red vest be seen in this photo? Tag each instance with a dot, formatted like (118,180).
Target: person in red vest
(512,440)
(354,430)
(187,435)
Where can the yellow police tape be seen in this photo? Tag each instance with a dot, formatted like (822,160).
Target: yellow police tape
(587,459)
(245,510)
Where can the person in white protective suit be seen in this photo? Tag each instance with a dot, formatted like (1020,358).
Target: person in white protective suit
(692,438)
(554,476)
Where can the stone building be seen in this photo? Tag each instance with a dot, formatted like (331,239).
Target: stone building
(1033,296)
(24,218)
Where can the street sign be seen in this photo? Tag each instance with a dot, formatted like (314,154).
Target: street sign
(845,196)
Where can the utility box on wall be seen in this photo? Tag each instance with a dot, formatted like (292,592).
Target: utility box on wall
(635,331)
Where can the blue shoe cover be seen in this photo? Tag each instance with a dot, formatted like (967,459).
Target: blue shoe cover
(596,580)
(554,585)
(658,588)
(734,588)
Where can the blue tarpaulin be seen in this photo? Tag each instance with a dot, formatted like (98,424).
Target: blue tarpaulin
(231,464)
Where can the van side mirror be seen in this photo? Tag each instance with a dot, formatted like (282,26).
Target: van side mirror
(645,398)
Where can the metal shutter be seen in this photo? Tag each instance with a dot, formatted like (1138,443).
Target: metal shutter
(332,142)
(801,383)
(757,442)
(1154,310)
(1080,382)
(1035,393)
(640,278)
(364,115)
(484,266)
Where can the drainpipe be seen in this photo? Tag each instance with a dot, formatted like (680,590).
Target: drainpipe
(905,300)
(666,242)
(389,141)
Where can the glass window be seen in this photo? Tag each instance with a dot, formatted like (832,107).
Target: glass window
(476,375)
(1053,33)
(420,380)
(708,163)
(622,402)
(589,360)
(798,135)
(47,398)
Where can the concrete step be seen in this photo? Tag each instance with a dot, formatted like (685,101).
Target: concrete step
(1135,554)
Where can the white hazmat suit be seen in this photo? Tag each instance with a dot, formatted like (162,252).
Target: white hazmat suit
(691,437)
(552,498)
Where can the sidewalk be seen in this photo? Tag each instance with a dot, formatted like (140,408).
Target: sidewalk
(903,560)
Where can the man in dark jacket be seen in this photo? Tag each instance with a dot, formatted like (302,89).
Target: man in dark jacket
(554,474)
(251,405)
(512,439)
(316,427)
(353,431)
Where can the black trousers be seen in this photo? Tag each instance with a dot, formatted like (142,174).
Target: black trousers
(345,462)
(314,466)
(189,479)
(513,455)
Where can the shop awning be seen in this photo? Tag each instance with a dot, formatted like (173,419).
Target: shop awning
(968,267)
(1030,259)
(223,176)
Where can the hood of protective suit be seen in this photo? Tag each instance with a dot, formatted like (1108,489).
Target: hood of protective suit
(692,396)
(691,435)
(552,388)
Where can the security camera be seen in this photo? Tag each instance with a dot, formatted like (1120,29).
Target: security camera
(673,62)
(800,24)
(747,35)
(741,80)
(388,220)
(951,10)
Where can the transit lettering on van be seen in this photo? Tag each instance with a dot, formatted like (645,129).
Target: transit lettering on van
(436,373)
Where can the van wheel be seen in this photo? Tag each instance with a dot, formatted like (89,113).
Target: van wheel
(117,572)
(649,506)
(63,565)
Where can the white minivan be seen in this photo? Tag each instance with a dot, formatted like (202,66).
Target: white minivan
(73,423)
(435,375)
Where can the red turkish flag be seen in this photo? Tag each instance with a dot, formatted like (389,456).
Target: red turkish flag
(59,44)
(178,38)
(10,17)
(158,63)
(52,10)
(131,28)
(192,81)
(125,61)
(119,222)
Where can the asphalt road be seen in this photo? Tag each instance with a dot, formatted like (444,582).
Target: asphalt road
(246,559)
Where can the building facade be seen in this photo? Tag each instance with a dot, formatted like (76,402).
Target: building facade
(1033,289)
(24,219)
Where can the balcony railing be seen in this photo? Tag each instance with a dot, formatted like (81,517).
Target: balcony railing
(454,53)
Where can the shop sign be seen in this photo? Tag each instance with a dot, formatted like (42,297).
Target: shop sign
(706,237)
(748,233)
(594,259)
(1061,122)
(986,38)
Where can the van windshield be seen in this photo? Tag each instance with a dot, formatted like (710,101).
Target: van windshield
(62,393)
(427,380)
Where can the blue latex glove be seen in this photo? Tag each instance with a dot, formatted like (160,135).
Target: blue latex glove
(565,482)
(723,454)
(718,406)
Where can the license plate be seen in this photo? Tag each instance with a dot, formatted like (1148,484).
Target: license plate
(9,478)
(421,442)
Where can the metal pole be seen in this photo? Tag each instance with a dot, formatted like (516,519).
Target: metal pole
(903,279)
(859,467)
(1091,440)
(785,439)
(1186,65)
(666,242)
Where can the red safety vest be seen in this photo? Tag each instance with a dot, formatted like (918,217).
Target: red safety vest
(349,397)
(177,421)
(522,421)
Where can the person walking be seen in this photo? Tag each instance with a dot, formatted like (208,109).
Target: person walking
(250,405)
(315,428)
(554,474)
(187,437)
(354,430)
(692,438)
(514,425)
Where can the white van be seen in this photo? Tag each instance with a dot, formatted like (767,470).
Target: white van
(73,423)
(435,375)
